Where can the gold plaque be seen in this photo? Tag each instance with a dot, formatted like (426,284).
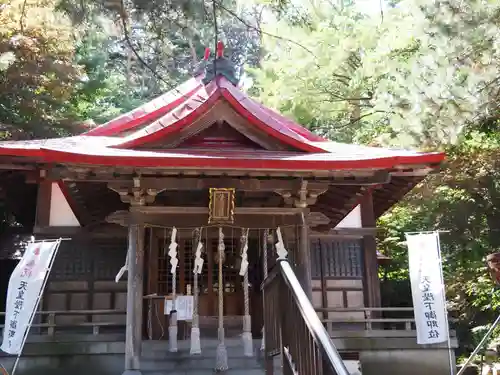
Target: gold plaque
(221,206)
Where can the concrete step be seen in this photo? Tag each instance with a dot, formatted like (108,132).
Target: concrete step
(208,372)
(157,360)
(197,363)
(160,349)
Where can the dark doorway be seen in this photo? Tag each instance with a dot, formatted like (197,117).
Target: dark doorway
(6,268)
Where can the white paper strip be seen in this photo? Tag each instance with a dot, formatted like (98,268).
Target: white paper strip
(198,261)
(122,270)
(427,288)
(173,251)
(280,246)
(25,287)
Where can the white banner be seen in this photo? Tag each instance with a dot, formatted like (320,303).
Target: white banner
(427,288)
(25,287)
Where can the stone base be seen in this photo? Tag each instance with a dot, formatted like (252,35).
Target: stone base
(429,361)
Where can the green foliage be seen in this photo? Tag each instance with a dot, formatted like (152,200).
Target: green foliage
(426,76)
(105,91)
(415,79)
(462,200)
(37,69)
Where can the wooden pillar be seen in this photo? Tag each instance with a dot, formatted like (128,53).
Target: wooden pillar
(371,282)
(135,279)
(43,201)
(304,258)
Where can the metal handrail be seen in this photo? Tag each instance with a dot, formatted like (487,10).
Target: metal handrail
(316,328)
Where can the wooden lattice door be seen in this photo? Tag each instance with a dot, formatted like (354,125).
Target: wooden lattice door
(159,279)
(208,280)
(231,280)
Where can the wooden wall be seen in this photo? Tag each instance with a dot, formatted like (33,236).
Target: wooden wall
(337,278)
(83,279)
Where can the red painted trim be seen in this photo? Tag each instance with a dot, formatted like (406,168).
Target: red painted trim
(215,90)
(27,152)
(128,120)
(234,163)
(242,110)
(278,119)
(163,160)
(150,134)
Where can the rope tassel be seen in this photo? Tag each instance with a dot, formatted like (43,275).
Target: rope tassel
(172,329)
(221,353)
(247,319)
(198,267)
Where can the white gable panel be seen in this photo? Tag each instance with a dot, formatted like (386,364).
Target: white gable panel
(353,220)
(61,214)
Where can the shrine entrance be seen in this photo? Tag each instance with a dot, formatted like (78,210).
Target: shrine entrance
(160,278)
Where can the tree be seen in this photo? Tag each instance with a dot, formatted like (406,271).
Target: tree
(417,78)
(160,43)
(425,76)
(38,70)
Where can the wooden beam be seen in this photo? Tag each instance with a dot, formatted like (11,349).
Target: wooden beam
(242,211)
(43,201)
(371,282)
(17,167)
(189,219)
(135,279)
(304,257)
(104,230)
(324,281)
(344,233)
(240,181)
(173,183)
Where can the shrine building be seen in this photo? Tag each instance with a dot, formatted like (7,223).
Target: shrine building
(221,207)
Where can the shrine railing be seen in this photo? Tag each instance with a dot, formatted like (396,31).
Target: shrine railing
(369,318)
(47,323)
(338,322)
(374,321)
(293,329)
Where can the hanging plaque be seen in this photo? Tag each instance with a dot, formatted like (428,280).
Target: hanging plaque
(221,206)
(183,306)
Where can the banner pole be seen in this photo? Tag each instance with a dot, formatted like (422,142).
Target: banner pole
(32,316)
(444,304)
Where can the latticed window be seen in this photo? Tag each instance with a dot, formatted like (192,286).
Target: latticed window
(184,276)
(230,270)
(339,258)
(81,259)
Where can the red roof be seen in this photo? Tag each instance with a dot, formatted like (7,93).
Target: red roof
(130,139)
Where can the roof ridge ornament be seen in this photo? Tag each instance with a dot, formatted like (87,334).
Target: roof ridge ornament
(220,49)
(222,67)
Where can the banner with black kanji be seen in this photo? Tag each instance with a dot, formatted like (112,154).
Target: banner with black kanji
(427,287)
(25,288)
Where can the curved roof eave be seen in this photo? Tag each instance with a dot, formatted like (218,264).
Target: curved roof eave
(201,100)
(149,111)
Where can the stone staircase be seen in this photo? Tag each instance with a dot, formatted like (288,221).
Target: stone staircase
(157,360)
